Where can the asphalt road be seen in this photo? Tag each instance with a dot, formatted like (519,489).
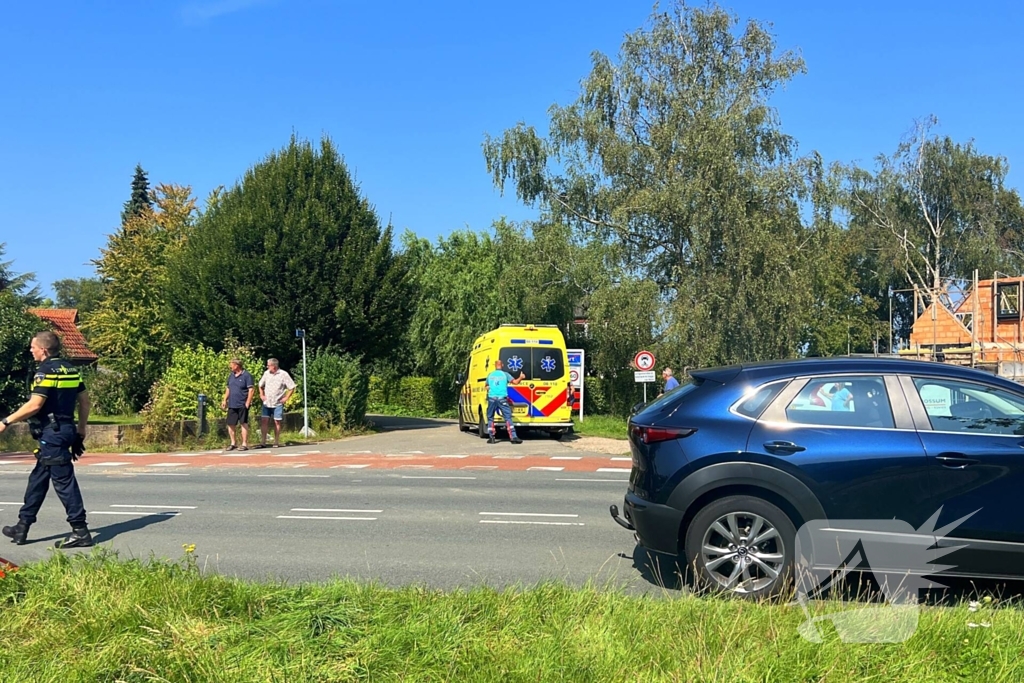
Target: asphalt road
(463,525)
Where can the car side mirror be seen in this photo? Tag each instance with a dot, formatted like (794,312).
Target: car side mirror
(460,379)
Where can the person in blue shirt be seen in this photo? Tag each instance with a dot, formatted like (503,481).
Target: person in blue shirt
(841,397)
(497,399)
(670,381)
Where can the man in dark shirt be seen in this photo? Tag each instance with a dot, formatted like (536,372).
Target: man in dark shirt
(237,399)
(56,389)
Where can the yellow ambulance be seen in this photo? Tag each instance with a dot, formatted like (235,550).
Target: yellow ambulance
(542,401)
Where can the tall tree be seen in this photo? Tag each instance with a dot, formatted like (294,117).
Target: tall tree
(83,293)
(16,329)
(672,153)
(18,284)
(141,200)
(936,210)
(128,329)
(294,245)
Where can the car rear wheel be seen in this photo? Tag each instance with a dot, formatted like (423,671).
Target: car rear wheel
(481,427)
(741,545)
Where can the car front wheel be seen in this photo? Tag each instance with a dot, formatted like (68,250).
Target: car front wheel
(741,545)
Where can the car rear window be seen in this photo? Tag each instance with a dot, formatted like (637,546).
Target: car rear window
(538,363)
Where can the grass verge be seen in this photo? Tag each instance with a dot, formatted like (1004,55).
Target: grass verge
(607,426)
(94,618)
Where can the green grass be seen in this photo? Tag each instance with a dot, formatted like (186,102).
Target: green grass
(115,420)
(93,618)
(608,426)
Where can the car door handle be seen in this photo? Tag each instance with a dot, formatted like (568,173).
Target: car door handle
(782,447)
(955,461)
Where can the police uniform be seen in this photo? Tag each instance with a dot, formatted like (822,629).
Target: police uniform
(60,383)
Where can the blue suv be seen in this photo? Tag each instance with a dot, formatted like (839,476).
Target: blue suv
(729,466)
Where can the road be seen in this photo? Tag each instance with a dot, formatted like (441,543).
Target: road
(418,503)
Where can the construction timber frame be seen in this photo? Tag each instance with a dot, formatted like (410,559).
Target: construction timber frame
(979,325)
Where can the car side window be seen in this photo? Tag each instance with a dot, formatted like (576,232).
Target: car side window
(850,401)
(755,401)
(955,406)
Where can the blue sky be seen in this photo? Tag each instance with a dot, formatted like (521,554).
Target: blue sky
(198,91)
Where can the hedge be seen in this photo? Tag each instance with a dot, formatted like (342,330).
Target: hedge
(413,396)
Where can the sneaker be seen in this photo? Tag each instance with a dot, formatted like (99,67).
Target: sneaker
(517,440)
(17,533)
(79,538)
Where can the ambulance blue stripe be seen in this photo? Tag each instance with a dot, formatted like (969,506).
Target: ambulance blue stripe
(517,341)
(546,341)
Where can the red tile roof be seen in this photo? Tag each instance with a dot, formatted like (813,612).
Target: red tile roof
(64,322)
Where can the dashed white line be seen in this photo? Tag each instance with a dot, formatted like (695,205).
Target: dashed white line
(453,456)
(155,474)
(168,464)
(108,464)
(157,507)
(330,510)
(237,455)
(567,457)
(301,464)
(183,455)
(307,476)
(412,453)
(13,462)
(544,469)
(435,477)
(613,469)
(624,459)
(522,521)
(415,467)
(508,457)
(614,481)
(350,519)
(8,503)
(528,514)
(135,513)
(480,467)
(286,455)
(348,467)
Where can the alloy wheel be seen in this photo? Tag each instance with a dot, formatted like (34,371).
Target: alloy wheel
(743,552)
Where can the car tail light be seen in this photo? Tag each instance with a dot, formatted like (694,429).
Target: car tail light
(655,434)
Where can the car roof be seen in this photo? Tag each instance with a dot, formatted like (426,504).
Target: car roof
(780,369)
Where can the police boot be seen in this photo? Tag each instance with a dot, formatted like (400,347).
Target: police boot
(17,533)
(79,538)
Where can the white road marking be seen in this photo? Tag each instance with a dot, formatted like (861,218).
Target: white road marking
(626,459)
(135,514)
(12,462)
(480,467)
(544,469)
(438,477)
(615,481)
(508,457)
(168,464)
(351,519)
(158,507)
(613,469)
(415,467)
(567,457)
(453,456)
(329,510)
(308,476)
(236,455)
(136,455)
(520,521)
(156,474)
(8,503)
(412,452)
(301,464)
(183,455)
(528,514)
(286,455)
(349,467)
(108,464)
(355,453)
(398,455)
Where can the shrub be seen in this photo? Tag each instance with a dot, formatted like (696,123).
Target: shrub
(193,371)
(107,391)
(339,388)
(417,396)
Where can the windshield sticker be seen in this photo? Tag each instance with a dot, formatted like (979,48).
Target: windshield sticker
(515,363)
(547,364)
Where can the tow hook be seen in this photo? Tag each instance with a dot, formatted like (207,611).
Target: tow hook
(614,510)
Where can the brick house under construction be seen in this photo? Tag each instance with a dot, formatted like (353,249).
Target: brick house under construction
(985,328)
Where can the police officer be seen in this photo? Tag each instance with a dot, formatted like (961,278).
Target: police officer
(56,389)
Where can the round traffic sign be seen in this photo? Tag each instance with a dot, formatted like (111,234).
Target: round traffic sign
(644,360)
(574,376)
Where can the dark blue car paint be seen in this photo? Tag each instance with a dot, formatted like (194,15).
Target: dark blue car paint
(839,472)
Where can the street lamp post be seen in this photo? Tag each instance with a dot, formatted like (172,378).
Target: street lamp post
(301,334)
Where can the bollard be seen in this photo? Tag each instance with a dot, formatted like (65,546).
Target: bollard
(201,416)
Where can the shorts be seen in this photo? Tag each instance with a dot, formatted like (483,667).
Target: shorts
(277,412)
(238,416)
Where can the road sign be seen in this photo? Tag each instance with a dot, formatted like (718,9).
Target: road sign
(644,361)
(577,358)
(644,376)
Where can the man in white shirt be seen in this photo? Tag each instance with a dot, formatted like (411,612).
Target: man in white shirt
(276,387)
